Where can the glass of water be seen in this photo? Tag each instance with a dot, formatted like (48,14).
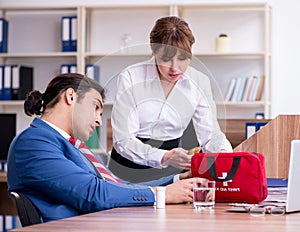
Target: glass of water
(204,195)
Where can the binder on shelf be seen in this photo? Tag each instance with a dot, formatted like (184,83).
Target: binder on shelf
(3,35)
(1,81)
(22,81)
(73,68)
(253,127)
(259,115)
(65,33)
(16,82)
(92,71)
(64,68)
(7,85)
(69,33)
(74,33)
(68,68)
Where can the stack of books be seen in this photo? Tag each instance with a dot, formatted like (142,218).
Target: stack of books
(245,89)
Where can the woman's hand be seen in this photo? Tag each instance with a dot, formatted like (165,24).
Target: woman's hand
(177,158)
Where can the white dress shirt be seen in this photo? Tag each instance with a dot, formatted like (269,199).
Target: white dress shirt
(142,110)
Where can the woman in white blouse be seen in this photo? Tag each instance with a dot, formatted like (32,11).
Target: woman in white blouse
(154,104)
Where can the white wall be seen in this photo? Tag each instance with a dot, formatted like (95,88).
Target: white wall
(286,43)
(286,50)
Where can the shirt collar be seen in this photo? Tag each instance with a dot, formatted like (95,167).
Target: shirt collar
(62,132)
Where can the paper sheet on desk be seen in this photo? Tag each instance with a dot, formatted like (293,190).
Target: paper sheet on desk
(277,194)
(277,188)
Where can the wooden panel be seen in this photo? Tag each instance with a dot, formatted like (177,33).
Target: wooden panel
(274,141)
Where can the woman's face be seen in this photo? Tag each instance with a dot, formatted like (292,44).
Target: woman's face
(170,69)
(87,115)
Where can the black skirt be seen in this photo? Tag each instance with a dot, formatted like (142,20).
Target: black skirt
(130,171)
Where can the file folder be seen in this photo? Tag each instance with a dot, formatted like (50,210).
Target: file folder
(69,33)
(73,68)
(22,81)
(68,68)
(92,71)
(64,68)
(3,35)
(1,82)
(7,90)
(73,33)
(65,31)
(252,127)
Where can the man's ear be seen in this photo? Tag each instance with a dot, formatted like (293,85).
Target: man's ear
(70,96)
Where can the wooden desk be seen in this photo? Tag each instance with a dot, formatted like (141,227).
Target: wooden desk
(173,218)
(7,206)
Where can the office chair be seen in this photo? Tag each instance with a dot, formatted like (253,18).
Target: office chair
(27,212)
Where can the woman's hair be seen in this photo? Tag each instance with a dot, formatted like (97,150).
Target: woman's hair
(172,33)
(36,102)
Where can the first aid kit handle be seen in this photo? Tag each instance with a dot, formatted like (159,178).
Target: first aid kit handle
(231,173)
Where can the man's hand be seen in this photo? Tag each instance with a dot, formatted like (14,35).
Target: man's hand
(181,191)
(185,175)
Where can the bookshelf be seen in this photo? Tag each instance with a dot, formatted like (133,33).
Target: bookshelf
(112,41)
(248,26)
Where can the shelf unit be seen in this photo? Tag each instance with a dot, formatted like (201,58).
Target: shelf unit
(112,41)
(249,27)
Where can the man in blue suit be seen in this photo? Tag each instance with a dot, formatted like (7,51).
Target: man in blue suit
(54,174)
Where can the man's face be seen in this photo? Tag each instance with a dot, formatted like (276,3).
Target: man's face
(87,115)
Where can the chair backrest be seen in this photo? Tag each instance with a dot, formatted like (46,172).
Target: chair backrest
(27,212)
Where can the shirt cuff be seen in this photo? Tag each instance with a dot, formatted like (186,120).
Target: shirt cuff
(176,178)
(153,194)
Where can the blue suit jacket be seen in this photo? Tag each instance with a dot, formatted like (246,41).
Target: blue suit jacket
(49,170)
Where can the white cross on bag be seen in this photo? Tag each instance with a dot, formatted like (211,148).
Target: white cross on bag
(224,175)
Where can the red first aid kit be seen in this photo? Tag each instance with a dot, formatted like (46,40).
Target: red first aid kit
(239,176)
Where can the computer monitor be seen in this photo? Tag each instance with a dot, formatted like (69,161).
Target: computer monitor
(7,133)
(292,202)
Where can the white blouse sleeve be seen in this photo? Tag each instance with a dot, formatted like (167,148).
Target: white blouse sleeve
(125,125)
